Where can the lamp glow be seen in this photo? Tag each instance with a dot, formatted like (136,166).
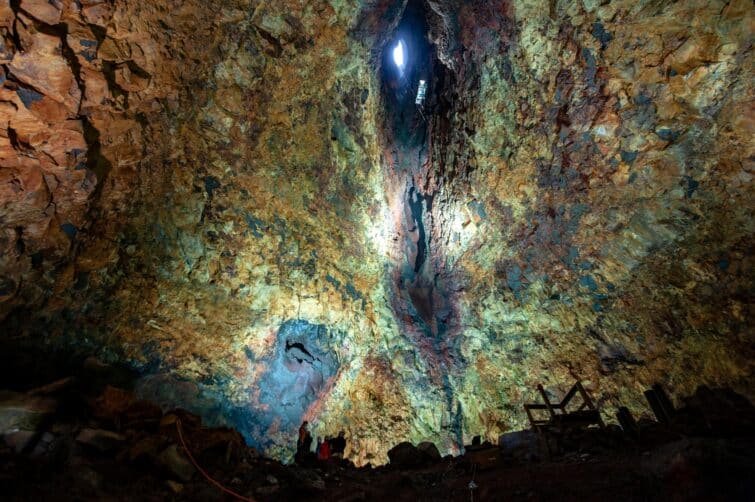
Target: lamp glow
(399,55)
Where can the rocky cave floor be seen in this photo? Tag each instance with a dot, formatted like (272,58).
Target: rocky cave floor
(86,437)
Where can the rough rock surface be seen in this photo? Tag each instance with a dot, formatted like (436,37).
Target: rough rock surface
(184,183)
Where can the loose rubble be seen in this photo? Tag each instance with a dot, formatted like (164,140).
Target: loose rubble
(98,443)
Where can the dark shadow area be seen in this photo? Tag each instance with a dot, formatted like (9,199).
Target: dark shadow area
(68,441)
(26,364)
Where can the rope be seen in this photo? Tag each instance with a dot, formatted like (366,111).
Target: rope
(472,485)
(207,476)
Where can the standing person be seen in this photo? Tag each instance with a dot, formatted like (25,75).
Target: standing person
(323,452)
(303,432)
(318,447)
(303,443)
(338,445)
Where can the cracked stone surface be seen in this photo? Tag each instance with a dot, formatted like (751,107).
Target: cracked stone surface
(239,200)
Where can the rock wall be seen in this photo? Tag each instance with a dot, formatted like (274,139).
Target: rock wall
(214,193)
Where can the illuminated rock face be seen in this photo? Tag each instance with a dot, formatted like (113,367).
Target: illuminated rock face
(421,287)
(239,200)
(300,371)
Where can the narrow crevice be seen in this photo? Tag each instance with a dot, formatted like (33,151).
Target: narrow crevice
(116,91)
(96,161)
(297,350)
(15,6)
(423,294)
(419,204)
(14,141)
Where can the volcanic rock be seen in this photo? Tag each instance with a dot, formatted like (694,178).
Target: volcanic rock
(307,480)
(430,451)
(241,202)
(176,463)
(522,445)
(102,440)
(406,455)
(23,412)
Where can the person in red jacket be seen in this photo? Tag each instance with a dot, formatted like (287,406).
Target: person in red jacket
(324,452)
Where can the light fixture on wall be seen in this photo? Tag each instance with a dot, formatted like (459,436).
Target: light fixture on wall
(421,93)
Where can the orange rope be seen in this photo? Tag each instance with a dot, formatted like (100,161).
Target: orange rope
(207,476)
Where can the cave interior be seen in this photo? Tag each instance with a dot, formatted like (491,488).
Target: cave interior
(399,220)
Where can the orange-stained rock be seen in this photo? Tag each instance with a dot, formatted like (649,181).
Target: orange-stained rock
(115,50)
(47,11)
(6,14)
(96,90)
(97,12)
(43,67)
(64,144)
(129,80)
(695,51)
(25,184)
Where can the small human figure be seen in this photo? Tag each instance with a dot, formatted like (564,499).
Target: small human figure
(303,443)
(303,433)
(318,446)
(338,445)
(323,450)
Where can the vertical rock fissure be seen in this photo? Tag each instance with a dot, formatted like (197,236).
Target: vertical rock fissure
(419,204)
(421,298)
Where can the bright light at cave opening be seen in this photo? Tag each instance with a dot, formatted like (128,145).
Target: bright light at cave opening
(399,55)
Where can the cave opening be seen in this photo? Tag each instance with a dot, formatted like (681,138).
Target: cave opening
(408,57)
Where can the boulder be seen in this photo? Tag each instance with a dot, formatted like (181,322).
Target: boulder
(522,445)
(176,463)
(307,480)
(266,491)
(53,388)
(122,405)
(18,441)
(430,451)
(175,487)
(99,439)
(113,402)
(148,447)
(406,455)
(23,411)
